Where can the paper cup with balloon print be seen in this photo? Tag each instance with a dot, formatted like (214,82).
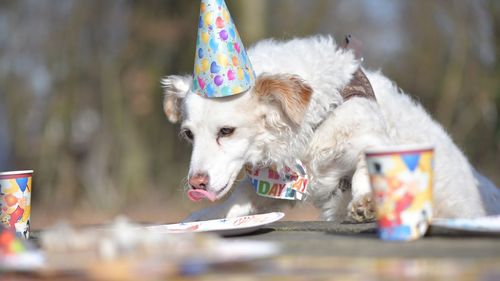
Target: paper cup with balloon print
(15,201)
(401,178)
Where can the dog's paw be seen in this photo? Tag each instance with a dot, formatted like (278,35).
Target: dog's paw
(362,209)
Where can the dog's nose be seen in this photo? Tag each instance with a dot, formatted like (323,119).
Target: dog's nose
(199,181)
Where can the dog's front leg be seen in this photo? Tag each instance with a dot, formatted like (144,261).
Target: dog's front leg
(362,207)
(243,201)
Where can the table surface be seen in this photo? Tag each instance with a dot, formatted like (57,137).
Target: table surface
(325,250)
(360,240)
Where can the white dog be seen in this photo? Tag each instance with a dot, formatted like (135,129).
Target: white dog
(299,109)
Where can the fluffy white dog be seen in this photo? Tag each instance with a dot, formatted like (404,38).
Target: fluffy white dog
(298,109)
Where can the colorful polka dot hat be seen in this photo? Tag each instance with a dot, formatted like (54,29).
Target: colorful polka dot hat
(221,66)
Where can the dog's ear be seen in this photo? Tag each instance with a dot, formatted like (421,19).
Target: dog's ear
(175,89)
(291,92)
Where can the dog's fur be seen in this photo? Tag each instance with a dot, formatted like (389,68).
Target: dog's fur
(295,111)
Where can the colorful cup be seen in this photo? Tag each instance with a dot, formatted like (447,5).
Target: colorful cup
(15,201)
(401,178)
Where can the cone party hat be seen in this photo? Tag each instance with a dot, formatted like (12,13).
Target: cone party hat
(221,66)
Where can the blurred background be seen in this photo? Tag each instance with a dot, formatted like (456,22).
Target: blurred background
(81,102)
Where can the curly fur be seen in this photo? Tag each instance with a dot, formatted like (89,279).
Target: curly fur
(325,132)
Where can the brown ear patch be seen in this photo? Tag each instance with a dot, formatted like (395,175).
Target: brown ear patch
(175,89)
(290,91)
(171,108)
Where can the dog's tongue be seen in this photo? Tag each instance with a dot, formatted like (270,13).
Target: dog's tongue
(198,194)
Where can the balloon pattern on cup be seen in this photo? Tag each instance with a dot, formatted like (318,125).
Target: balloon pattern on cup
(15,203)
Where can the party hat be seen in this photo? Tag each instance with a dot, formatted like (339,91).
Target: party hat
(221,66)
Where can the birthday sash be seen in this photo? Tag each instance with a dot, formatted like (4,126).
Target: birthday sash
(289,184)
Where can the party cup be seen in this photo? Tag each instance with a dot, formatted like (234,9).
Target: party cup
(15,201)
(401,178)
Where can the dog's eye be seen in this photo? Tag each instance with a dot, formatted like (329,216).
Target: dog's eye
(188,134)
(225,132)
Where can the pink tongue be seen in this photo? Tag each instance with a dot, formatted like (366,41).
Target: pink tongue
(198,194)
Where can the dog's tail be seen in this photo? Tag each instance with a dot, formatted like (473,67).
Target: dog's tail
(490,193)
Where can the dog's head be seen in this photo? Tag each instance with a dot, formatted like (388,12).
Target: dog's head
(228,132)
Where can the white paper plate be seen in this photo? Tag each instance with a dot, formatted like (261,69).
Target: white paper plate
(230,226)
(490,224)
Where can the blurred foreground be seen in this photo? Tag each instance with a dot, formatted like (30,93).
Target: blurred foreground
(281,250)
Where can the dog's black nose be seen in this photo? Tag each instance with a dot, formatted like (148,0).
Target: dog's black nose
(199,181)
